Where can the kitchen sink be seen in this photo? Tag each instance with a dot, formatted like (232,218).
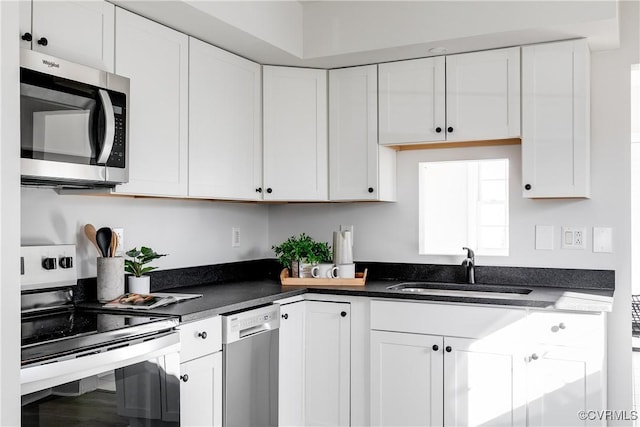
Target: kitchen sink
(460,290)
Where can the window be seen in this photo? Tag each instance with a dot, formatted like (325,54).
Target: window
(464,203)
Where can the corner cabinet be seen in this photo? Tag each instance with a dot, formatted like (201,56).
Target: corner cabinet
(225,124)
(359,168)
(155,58)
(295,134)
(78,31)
(556,120)
(464,97)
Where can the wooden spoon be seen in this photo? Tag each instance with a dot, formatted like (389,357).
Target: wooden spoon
(114,245)
(90,232)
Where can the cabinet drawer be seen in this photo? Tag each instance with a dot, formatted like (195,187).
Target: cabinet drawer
(200,338)
(565,329)
(450,320)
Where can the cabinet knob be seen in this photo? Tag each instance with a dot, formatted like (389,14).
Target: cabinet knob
(435,347)
(184,378)
(534,356)
(449,129)
(202,335)
(285,316)
(448,349)
(27,37)
(343,313)
(43,41)
(269,190)
(562,326)
(438,129)
(527,186)
(259,190)
(370,190)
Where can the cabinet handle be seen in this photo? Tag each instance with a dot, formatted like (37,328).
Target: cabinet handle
(285,316)
(343,313)
(527,186)
(43,41)
(448,349)
(184,378)
(202,335)
(449,129)
(27,37)
(259,190)
(438,129)
(269,190)
(370,190)
(435,347)
(534,356)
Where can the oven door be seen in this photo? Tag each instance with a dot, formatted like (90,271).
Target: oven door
(133,385)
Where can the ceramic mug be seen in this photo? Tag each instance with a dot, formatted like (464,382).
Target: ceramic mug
(347,271)
(324,271)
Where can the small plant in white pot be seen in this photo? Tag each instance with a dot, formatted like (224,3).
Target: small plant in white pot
(139,283)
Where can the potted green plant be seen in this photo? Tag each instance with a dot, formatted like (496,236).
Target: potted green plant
(300,254)
(138,282)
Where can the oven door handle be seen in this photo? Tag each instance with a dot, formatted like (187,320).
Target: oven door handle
(40,377)
(110,127)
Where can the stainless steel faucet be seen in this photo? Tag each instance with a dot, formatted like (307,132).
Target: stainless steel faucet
(469,262)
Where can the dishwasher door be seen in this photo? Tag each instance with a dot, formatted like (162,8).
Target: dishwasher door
(250,382)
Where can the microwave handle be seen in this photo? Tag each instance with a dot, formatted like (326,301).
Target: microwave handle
(110,127)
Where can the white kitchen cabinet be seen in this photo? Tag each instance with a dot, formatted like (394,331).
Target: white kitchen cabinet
(155,58)
(359,168)
(483,95)
(315,364)
(565,367)
(295,134)
(201,391)
(556,119)
(406,379)
(412,101)
(479,99)
(225,124)
(78,31)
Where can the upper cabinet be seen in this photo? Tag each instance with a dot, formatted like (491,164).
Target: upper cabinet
(476,98)
(359,168)
(155,58)
(295,134)
(225,124)
(78,31)
(556,119)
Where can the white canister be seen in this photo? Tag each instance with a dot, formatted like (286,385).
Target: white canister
(110,272)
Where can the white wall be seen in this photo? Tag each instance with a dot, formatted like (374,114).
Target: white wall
(192,232)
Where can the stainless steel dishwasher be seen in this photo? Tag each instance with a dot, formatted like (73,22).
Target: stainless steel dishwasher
(250,367)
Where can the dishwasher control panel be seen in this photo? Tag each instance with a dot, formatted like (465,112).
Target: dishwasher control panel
(246,323)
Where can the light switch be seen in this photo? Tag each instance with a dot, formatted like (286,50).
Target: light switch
(544,237)
(603,239)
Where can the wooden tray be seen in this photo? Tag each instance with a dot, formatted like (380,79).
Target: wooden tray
(359,280)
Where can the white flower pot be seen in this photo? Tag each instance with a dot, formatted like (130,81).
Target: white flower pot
(139,285)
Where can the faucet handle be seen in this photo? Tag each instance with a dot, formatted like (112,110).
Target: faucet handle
(470,253)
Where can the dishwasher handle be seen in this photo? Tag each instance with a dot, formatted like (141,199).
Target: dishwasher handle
(265,327)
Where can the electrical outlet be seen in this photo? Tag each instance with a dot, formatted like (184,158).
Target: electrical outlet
(120,233)
(573,237)
(235,237)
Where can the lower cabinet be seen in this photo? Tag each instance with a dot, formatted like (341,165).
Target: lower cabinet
(201,391)
(314,365)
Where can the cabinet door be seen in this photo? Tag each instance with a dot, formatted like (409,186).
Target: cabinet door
(78,31)
(484,383)
(155,58)
(225,124)
(412,101)
(483,95)
(406,379)
(25,23)
(556,120)
(328,360)
(295,134)
(201,391)
(291,365)
(359,169)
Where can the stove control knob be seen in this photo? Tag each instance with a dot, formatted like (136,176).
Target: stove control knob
(49,263)
(66,262)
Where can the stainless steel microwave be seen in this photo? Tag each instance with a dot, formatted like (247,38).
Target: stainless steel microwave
(73,123)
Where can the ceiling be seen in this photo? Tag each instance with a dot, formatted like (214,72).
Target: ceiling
(333,33)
